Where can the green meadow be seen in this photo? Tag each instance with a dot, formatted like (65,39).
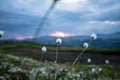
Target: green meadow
(13,66)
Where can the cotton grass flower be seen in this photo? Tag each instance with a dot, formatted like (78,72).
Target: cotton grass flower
(2,78)
(93,70)
(1,33)
(89,60)
(93,36)
(107,61)
(15,69)
(85,45)
(58,41)
(100,69)
(43,49)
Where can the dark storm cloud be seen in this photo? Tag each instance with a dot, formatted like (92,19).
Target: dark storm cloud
(21,17)
(13,23)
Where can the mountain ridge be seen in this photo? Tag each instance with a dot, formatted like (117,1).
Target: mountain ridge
(111,40)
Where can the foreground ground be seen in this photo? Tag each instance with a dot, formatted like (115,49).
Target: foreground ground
(66,53)
(21,61)
(16,68)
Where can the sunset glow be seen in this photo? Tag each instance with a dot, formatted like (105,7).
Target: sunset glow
(24,37)
(59,34)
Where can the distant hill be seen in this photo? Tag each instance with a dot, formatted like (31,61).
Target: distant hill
(104,40)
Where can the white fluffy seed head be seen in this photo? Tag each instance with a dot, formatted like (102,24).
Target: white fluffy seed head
(59,41)
(1,33)
(93,70)
(100,69)
(81,72)
(85,45)
(89,60)
(93,36)
(107,61)
(44,49)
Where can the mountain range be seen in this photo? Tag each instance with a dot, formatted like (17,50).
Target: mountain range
(103,40)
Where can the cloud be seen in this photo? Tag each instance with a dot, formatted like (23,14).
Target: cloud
(79,6)
(24,37)
(59,34)
(16,24)
(92,9)
(71,5)
(105,22)
(31,7)
(72,17)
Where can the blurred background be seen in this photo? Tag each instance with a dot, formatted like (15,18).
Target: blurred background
(71,20)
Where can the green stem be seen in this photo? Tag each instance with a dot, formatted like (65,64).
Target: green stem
(41,57)
(56,61)
(90,42)
(81,54)
(41,24)
(57,53)
(55,75)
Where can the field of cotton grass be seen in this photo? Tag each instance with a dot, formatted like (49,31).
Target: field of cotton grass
(21,68)
(16,68)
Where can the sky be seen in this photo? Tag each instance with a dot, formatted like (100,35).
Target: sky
(19,19)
